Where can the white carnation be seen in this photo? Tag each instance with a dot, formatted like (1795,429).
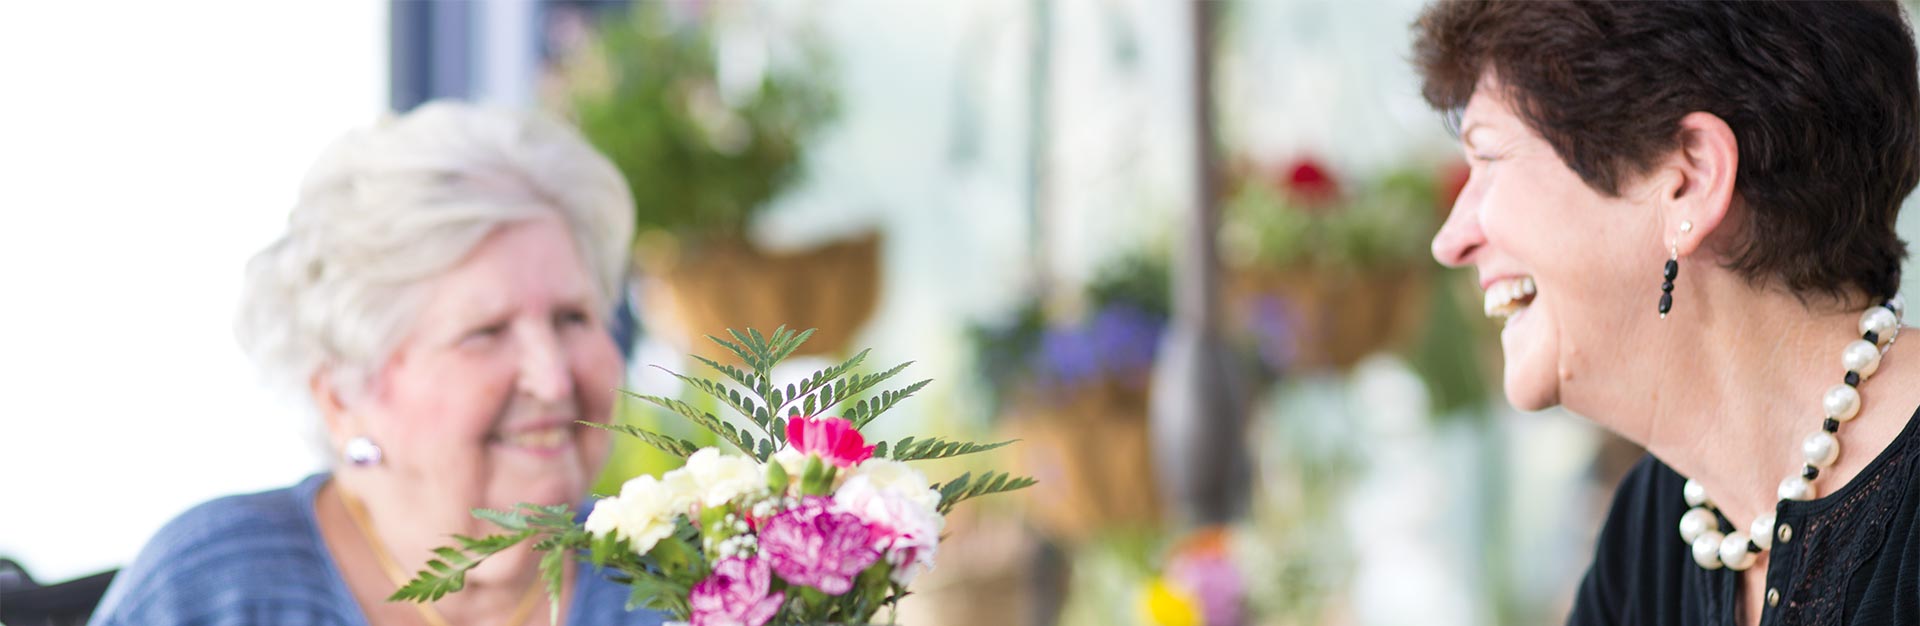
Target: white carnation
(897,500)
(711,479)
(643,513)
(898,478)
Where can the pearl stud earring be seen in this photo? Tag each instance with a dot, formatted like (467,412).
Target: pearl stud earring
(362,452)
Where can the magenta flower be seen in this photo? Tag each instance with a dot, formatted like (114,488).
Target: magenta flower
(1216,583)
(735,594)
(817,545)
(832,438)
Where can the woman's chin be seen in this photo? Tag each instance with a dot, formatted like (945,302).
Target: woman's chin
(1526,395)
(1530,378)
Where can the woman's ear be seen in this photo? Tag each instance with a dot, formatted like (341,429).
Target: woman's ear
(1701,191)
(327,397)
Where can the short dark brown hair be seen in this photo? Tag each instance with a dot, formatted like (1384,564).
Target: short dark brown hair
(1822,98)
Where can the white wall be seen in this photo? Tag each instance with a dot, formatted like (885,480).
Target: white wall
(146,149)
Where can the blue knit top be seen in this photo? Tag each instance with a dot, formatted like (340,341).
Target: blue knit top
(259,559)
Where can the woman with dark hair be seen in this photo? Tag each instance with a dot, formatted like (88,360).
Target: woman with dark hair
(1685,213)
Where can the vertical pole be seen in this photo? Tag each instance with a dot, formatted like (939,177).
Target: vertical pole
(1199,408)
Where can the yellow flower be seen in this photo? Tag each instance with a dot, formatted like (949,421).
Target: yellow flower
(1162,604)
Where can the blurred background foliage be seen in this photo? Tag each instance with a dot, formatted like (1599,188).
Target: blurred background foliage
(1017,166)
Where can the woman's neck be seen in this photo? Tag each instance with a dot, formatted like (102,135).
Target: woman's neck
(1735,382)
(494,590)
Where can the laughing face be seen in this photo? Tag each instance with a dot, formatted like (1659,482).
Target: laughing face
(478,407)
(1572,271)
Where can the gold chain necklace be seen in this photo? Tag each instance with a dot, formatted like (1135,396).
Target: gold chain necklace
(398,575)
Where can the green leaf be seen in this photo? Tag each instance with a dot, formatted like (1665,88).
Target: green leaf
(829,393)
(876,406)
(880,450)
(552,566)
(724,394)
(857,384)
(760,345)
(677,447)
(940,449)
(745,379)
(656,592)
(752,350)
(737,349)
(704,419)
(989,483)
(504,519)
(603,548)
(953,487)
(793,341)
(448,573)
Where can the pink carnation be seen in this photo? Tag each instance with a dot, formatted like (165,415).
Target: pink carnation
(735,594)
(817,545)
(832,438)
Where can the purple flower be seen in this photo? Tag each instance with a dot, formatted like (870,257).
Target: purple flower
(1119,342)
(1067,357)
(735,594)
(1216,583)
(817,545)
(1127,337)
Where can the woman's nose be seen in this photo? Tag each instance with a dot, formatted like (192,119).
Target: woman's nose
(544,374)
(1460,236)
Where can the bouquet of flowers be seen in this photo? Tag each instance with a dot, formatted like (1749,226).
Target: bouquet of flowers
(808,525)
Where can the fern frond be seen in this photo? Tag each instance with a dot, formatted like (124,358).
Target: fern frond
(739,438)
(863,413)
(448,573)
(908,450)
(677,447)
(964,488)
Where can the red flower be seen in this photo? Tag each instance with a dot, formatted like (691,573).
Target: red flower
(1309,185)
(832,438)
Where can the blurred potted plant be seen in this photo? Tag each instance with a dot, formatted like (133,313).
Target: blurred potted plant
(706,146)
(1071,381)
(1345,268)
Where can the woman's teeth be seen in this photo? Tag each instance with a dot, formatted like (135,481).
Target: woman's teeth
(1508,296)
(549,437)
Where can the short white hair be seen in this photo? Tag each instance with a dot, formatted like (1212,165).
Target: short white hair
(387,208)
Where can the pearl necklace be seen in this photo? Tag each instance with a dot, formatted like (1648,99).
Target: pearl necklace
(1737,551)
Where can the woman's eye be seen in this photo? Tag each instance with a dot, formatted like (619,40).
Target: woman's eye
(573,318)
(487,332)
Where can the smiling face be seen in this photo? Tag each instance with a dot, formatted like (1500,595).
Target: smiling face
(477,406)
(1575,273)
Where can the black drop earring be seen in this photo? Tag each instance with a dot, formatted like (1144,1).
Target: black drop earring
(1666,286)
(1672,271)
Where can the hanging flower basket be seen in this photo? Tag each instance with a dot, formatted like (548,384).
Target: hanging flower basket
(1330,318)
(731,283)
(1092,454)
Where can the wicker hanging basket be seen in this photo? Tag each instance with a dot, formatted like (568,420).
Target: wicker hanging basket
(1334,316)
(731,283)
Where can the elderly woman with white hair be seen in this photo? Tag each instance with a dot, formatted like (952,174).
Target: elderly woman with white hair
(442,296)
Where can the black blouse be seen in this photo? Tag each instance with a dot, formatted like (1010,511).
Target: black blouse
(1851,557)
